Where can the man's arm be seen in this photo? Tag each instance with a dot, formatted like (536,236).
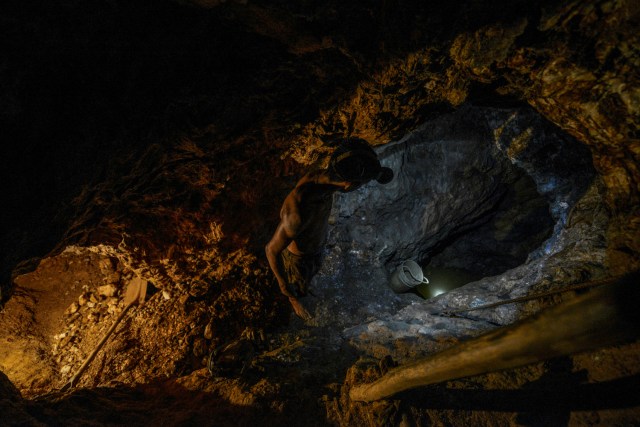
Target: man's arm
(284,235)
(274,248)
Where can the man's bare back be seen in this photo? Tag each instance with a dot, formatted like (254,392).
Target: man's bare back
(311,202)
(304,219)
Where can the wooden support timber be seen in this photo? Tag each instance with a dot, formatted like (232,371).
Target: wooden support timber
(605,316)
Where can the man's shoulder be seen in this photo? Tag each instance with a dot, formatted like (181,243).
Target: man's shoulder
(313,177)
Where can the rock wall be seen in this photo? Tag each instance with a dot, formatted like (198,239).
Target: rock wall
(452,175)
(166,136)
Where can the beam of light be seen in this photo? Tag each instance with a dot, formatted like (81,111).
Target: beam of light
(437,292)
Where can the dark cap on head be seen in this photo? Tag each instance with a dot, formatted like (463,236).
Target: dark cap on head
(355,161)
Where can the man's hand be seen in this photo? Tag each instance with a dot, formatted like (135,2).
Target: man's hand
(299,309)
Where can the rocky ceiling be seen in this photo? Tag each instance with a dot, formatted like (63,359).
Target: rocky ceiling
(157,139)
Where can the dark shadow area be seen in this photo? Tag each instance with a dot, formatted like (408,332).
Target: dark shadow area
(501,239)
(487,95)
(163,403)
(557,395)
(89,85)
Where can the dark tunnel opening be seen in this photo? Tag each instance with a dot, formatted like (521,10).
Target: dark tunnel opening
(501,239)
(480,200)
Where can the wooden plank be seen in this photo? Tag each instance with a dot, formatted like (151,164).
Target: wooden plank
(603,317)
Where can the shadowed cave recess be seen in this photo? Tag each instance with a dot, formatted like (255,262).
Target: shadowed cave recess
(154,141)
(481,195)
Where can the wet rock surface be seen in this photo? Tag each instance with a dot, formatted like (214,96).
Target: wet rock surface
(430,201)
(157,141)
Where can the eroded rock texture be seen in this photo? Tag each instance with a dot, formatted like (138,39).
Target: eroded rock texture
(158,139)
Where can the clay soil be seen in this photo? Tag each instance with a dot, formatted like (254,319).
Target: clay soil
(292,375)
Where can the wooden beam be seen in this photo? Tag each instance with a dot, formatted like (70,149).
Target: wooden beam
(604,316)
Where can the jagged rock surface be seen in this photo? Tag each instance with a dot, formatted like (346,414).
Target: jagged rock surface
(161,138)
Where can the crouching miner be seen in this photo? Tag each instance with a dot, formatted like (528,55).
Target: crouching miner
(294,252)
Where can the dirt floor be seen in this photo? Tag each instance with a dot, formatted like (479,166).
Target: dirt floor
(35,315)
(589,389)
(153,371)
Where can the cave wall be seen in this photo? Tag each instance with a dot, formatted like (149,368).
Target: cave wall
(559,58)
(376,86)
(163,136)
(458,173)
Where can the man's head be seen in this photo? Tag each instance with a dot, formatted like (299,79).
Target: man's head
(354,161)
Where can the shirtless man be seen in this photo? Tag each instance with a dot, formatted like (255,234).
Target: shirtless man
(294,252)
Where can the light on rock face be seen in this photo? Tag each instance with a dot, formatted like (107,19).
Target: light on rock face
(469,214)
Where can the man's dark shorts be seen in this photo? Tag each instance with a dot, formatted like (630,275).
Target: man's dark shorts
(299,270)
